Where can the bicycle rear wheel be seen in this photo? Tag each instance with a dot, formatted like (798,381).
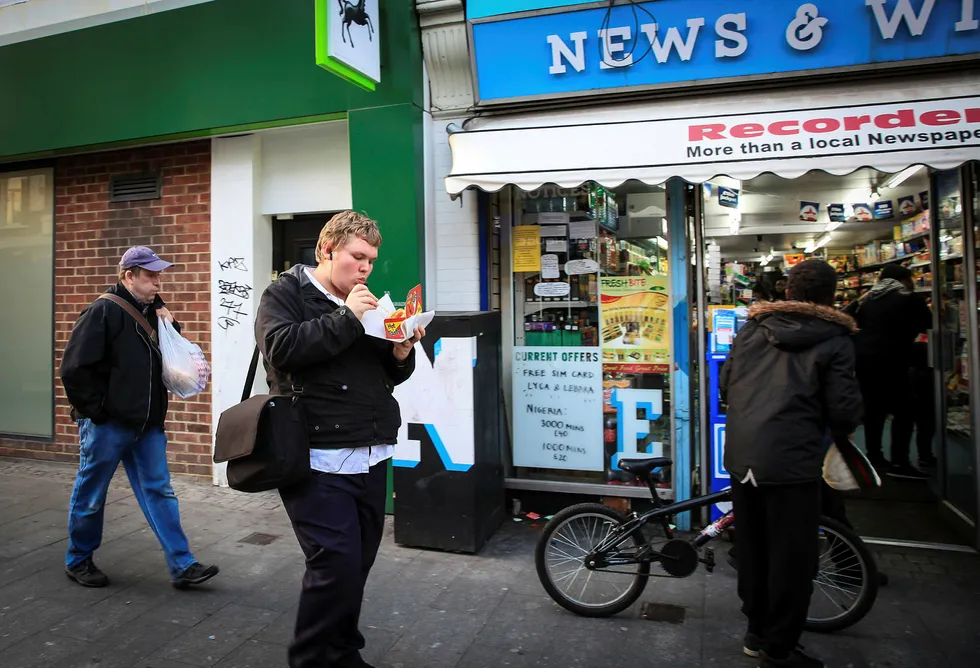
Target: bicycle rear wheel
(560,561)
(846,584)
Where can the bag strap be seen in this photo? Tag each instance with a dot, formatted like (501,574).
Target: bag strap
(297,386)
(250,376)
(136,315)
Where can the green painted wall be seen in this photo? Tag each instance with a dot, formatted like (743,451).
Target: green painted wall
(218,64)
(387,183)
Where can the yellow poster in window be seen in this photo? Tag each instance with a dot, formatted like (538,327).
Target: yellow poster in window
(635,318)
(527,248)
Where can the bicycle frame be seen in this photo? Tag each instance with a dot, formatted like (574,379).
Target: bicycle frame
(635,525)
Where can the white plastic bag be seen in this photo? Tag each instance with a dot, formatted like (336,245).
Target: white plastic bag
(185,369)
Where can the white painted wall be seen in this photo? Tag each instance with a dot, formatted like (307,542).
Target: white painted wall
(306,169)
(235,176)
(22,20)
(457,244)
(253,178)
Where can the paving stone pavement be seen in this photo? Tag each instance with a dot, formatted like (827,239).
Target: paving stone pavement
(422,609)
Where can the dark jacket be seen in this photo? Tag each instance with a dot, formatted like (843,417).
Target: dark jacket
(889,325)
(347,377)
(111,368)
(788,380)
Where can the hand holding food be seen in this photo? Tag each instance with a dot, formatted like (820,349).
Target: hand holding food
(360,300)
(402,350)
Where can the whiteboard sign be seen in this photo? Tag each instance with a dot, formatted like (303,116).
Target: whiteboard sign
(552,289)
(578,267)
(556,245)
(560,231)
(558,408)
(549,266)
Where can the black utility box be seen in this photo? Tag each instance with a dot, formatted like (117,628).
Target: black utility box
(453,498)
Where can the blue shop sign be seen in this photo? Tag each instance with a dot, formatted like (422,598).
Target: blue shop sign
(673,42)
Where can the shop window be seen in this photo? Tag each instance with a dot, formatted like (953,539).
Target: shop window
(26,293)
(592,332)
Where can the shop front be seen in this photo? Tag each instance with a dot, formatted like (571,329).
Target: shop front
(220,139)
(632,231)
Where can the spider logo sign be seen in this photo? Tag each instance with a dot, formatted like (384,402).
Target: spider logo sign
(348,40)
(354,14)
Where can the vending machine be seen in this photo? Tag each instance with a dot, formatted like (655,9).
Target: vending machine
(723,324)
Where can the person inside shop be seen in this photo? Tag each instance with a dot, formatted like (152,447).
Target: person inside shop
(779,289)
(308,328)
(760,293)
(788,382)
(890,317)
(922,379)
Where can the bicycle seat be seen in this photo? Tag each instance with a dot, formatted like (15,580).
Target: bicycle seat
(642,467)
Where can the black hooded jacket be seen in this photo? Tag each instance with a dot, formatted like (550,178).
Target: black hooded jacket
(347,377)
(788,381)
(111,368)
(889,323)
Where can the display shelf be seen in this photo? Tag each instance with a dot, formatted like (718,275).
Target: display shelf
(536,307)
(878,265)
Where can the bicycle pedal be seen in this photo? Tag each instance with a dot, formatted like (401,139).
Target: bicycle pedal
(709,559)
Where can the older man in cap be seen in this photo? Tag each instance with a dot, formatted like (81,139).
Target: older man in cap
(111,371)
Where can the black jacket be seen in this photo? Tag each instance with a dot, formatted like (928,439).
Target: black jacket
(347,377)
(889,325)
(111,368)
(788,381)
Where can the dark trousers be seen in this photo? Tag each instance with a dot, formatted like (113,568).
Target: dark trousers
(776,537)
(886,391)
(339,521)
(922,382)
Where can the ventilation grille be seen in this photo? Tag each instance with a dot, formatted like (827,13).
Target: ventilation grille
(130,187)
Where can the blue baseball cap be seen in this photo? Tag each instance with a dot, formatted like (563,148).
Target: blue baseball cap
(143,257)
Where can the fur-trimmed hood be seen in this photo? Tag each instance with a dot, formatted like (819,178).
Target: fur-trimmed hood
(793,325)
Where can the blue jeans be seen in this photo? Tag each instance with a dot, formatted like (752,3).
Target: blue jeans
(144,455)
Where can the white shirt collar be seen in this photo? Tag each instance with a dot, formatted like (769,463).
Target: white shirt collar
(336,300)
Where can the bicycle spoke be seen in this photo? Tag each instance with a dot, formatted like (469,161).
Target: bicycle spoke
(840,579)
(565,555)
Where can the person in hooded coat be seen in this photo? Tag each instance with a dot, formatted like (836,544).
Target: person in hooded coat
(890,318)
(788,382)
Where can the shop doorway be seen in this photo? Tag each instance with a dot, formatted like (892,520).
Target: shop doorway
(294,240)
(754,231)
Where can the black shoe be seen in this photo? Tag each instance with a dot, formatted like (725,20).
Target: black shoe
(795,659)
(195,574)
(87,574)
(752,645)
(906,472)
(879,462)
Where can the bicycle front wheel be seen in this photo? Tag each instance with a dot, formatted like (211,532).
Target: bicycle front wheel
(560,561)
(846,584)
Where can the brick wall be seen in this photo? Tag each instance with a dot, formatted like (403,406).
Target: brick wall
(91,235)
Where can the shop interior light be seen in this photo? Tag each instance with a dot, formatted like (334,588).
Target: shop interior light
(833,225)
(734,221)
(902,176)
(662,243)
(819,243)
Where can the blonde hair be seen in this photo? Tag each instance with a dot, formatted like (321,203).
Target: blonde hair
(344,225)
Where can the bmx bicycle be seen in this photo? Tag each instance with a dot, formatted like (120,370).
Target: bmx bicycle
(596,562)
